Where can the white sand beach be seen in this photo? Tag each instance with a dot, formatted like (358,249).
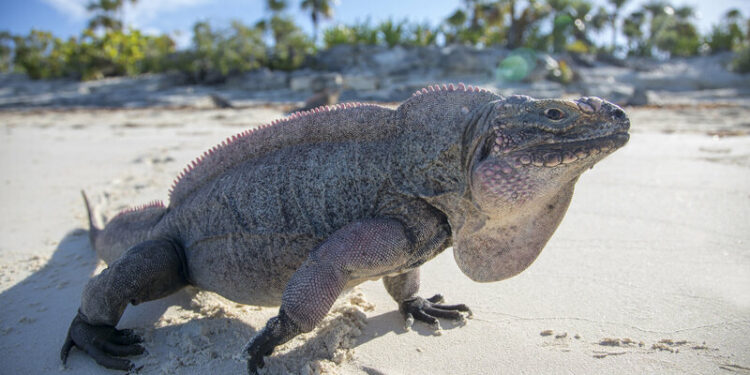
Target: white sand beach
(648,273)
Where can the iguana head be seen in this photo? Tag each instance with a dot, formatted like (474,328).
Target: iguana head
(522,158)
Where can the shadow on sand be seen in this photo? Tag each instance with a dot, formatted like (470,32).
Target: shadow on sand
(46,301)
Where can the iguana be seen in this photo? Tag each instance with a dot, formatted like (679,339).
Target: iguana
(295,212)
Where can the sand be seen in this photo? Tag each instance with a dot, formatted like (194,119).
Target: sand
(648,273)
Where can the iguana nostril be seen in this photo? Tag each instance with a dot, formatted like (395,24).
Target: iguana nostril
(618,114)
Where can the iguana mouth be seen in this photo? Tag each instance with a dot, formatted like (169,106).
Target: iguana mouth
(567,152)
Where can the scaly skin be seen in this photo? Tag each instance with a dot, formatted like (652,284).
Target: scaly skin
(297,212)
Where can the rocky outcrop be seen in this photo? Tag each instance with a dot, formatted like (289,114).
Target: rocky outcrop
(377,73)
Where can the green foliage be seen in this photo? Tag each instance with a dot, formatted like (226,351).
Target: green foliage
(613,18)
(276,5)
(116,53)
(217,54)
(393,33)
(6,51)
(573,23)
(278,43)
(291,45)
(668,30)
(678,39)
(359,33)
(106,14)
(389,33)
(340,34)
(318,9)
(728,35)
(39,55)
(364,33)
(422,35)
(741,62)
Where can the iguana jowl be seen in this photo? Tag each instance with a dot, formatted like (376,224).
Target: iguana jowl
(296,212)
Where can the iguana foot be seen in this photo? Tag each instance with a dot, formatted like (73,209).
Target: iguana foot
(277,331)
(102,343)
(429,310)
(258,347)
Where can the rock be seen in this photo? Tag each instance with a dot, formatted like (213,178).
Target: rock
(260,80)
(361,82)
(301,82)
(691,74)
(542,89)
(338,58)
(638,98)
(617,93)
(219,101)
(392,59)
(327,81)
(459,59)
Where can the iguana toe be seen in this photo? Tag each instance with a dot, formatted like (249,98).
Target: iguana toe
(103,343)
(429,310)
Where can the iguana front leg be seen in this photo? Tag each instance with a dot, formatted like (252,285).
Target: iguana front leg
(404,287)
(360,250)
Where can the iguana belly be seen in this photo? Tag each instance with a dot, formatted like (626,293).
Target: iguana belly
(249,269)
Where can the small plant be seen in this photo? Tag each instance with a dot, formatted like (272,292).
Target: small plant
(39,55)
(728,35)
(393,32)
(340,34)
(421,35)
(741,62)
(291,45)
(364,33)
(216,54)
(6,51)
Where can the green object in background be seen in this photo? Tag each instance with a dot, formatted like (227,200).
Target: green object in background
(517,66)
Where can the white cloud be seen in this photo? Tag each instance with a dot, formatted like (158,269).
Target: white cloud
(75,9)
(139,15)
(142,12)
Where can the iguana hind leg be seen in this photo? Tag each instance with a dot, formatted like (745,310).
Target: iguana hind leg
(150,270)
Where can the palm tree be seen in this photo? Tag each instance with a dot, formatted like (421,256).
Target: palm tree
(317,9)
(107,14)
(521,23)
(632,27)
(614,16)
(276,6)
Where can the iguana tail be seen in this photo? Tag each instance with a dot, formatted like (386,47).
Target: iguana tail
(125,230)
(93,229)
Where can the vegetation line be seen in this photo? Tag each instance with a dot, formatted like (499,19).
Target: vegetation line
(105,48)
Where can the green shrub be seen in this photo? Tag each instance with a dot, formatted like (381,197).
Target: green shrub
(679,39)
(389,32)
(6,51)
(364,33)
(291,45)
(421,35)
(216,54)
(741,62)
(340,34)
(39,55)
(728,35)
(92,56)
(392,32)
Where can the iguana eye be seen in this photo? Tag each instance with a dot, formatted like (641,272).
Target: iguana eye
(554,114)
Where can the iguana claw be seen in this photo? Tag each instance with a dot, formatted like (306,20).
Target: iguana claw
(102,343)
(428,310)
(259,347)
(277,331)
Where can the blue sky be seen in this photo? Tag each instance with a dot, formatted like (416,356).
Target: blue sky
(68,17)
